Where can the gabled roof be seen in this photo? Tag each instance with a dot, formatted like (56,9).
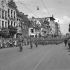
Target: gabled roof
(12,3)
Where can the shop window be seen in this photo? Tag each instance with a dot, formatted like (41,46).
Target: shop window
(2,14)
(32,31)
(2,23)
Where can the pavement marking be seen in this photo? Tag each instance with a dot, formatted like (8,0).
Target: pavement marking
(22,59)
(42,58)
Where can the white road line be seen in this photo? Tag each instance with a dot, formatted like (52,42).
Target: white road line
(21,59)
(43,58)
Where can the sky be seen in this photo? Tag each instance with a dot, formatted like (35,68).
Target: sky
(59,8)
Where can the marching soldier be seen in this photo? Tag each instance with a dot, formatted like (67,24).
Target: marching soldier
(31,44)
(20,42)
(69,43)
(65,42)
(36,43)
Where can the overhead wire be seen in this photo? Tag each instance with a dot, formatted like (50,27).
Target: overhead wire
(31,5)
(28,8)
(61,2)
(45,7)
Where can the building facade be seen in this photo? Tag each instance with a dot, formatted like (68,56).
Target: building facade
(10,21)
(25,25)
(48,26)
(3,13)
(23,22)
(56,29)
(31,31)
(35,27)
(52,25)
(19,23)
(12,18)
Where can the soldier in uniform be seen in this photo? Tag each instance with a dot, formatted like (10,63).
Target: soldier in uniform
(65,42)
(36,43)
(31,43)
(69,43)
(20,42)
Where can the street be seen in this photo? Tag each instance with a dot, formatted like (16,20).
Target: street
(48,57)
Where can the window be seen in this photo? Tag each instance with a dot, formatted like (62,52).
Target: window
(14,14)
(2,23)
(17,19)
(11,23)
(32,31)
(8,12)
(11,13)
(5,24)
(8,22)
(2,14)
(6,15)
(14,24)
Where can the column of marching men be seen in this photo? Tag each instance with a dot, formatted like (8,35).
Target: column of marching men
(31,42)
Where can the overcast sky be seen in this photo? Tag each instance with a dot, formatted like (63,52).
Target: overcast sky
(59,8)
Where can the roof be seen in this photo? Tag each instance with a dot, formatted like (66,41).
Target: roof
(25,18)
(20,14)
(51,18)
(12,3)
